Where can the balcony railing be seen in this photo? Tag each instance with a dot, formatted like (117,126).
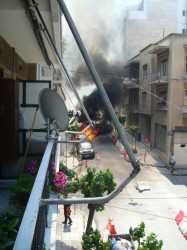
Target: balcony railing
(157,77)
(131,108)
(32,228)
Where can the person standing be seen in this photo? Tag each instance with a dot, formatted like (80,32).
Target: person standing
(67,213)
(172,162)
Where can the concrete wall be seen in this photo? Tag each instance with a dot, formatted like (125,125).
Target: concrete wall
(16,29)
(157,20)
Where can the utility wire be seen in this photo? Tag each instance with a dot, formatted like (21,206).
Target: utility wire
(133,83)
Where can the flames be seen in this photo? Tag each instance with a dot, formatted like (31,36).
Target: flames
(93,134)
(88,131)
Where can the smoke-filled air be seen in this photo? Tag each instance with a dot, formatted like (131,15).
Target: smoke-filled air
(100,25)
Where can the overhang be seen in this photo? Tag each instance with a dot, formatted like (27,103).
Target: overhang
(159,49)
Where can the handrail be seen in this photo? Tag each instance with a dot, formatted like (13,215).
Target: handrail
(26,230)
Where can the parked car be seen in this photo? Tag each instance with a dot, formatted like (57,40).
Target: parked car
(85,150)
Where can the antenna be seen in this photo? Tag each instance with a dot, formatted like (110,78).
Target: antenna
(53,109)
(54,112)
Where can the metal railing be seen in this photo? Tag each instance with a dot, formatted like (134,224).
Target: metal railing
(132,107)
(157,76)
(32,228)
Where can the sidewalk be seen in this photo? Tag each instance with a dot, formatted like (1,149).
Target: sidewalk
(69,236)
(148,157)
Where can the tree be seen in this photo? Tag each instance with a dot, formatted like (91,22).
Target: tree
(92,240)
(122,119)
(134,130)
(150,243)
(96,185)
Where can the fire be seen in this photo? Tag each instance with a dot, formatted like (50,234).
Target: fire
(93,134)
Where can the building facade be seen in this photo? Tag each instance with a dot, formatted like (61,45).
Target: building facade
(151,20)
(160,94)
(27,65)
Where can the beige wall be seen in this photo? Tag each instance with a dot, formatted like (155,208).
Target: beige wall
(169,115)
(158,19)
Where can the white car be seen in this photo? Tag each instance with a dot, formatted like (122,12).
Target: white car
(85,150)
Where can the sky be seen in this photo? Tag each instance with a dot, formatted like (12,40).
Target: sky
(100,24)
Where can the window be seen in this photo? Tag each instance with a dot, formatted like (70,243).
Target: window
(144,70)
(144,99)
(184,13)
(164,67)
(184,31)
(162,96)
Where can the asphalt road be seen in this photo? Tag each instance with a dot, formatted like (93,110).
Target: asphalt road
(157,207)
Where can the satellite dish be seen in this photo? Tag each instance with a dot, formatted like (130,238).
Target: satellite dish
(52,107)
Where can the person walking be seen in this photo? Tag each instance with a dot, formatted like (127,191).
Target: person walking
(67,213)
(172,163)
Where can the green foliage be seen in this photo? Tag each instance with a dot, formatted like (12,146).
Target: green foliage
(138,232)
(92,240)
(73,127)
(9,225)
(96,184)
(70,173)
(20,193)
(150,243)
(122,119)
(73,183)
(71,187)
(134,129)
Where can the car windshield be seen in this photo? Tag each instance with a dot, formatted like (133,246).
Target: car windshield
(86,145)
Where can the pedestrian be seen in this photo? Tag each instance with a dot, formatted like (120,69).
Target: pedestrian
(67,213)
(172,162)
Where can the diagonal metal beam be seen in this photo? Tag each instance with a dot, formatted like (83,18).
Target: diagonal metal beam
(99,84)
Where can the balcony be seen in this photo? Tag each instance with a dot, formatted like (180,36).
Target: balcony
(157,78)
(184,111)
(130,83)
(132,108)
(161,105)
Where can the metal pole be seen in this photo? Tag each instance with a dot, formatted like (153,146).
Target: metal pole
(98,83)
(93,200)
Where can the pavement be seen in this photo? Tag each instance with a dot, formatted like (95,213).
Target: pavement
(68,237)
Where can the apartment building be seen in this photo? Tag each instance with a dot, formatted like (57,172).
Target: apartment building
(159,94)
(149,21)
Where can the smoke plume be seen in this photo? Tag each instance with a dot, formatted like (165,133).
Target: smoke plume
(100,25)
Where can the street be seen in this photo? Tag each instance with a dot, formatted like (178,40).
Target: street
(156,207)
